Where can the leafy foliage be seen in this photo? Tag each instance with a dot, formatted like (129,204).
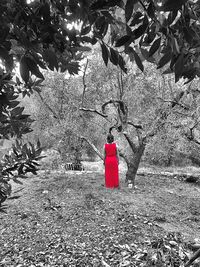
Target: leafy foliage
(48,34)
(41,38)
(12,120)
(22,159)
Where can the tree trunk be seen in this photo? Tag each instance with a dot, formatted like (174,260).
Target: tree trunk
(133,164)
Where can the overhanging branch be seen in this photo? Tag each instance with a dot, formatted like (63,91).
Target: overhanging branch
(94,111)
(120,102)
(137,126)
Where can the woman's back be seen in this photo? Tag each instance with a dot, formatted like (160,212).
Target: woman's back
(110,150)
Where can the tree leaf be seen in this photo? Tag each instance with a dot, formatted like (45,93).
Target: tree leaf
(114,3)
(122,64)
(137,18)
(179,65)
(72,67)
(138,61)
(45,11)
(50,57)
(38,60)
(13,104)
(6,57)
(154,47)
(17,181)
(176,48)
(164,60)
(173,61)
(171,17)
(149,37)
(114,56)
(83,48)
(141,29)
(121,41)
(38,144)
(151,10)
(18,81)
(24,70)
(188,34)
(17,111)
(129,8)
(105,53)
(171,5)
(108,16)
(85,30)
(86,39)
(145,54)
(104,4)
(34,68)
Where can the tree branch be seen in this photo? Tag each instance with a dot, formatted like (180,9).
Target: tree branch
(190,136)
(181,113)
(121,109)
(110,102)
(112,127)
(120,84)
(105,104)
(193,258)
(138,129)
(94,111)
(137,126)
(174,102)
(93,147)
(84,83)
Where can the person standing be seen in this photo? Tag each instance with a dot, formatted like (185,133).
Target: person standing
(111,162)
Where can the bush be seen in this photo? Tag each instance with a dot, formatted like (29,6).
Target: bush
(51,161)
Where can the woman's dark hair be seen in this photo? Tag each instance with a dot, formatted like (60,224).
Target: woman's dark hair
(110,138)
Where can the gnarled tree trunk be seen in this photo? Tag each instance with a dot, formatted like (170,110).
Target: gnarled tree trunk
(133,162)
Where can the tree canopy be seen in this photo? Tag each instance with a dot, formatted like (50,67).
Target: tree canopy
(55,34)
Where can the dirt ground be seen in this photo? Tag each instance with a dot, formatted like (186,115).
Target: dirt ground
(71,219)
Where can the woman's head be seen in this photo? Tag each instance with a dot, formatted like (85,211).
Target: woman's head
(110,138)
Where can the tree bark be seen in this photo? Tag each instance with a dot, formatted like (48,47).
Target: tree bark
(134,162)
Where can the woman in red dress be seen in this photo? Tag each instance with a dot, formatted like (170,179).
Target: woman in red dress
(111,161)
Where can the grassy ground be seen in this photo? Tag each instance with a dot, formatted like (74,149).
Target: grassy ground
(68,219)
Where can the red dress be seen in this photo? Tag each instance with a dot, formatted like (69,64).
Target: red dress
(111,166)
